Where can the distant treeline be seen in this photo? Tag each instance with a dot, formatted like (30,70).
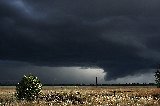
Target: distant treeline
(127,84)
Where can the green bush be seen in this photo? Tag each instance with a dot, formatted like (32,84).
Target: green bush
(29,88)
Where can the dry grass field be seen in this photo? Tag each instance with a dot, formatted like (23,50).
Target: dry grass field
(86,96)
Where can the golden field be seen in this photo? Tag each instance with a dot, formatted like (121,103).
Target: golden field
(86,96)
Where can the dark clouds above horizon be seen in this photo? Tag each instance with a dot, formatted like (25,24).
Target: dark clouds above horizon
(122,37)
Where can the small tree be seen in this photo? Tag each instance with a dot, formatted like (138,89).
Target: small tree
(157,76)
(29,88)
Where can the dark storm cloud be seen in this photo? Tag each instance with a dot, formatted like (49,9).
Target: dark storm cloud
(122,37)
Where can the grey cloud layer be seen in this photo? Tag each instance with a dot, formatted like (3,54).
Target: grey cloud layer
(122,37)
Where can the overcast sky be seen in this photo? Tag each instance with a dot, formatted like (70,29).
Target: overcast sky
(73,41)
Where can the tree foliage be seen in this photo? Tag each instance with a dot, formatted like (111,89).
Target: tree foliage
(157,76)
(29,88)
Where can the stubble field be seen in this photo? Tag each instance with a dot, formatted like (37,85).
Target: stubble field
(86,96)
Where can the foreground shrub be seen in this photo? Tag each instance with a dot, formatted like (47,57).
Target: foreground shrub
(29,88)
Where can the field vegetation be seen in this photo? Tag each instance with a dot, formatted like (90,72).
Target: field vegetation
(86,96)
